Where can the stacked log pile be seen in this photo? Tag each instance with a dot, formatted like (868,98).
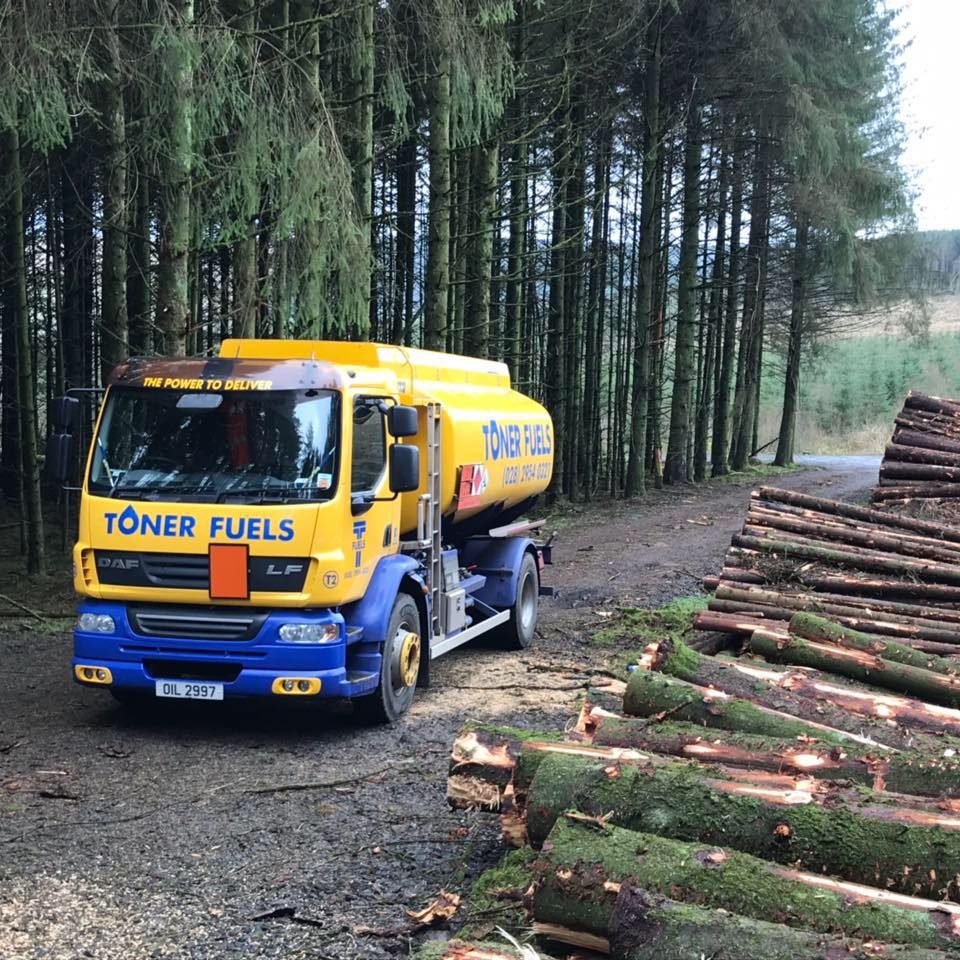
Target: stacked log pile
(735,807)
(920,472)
(881,573)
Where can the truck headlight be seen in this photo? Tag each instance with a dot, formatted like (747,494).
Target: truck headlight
(96,623)
(309,633)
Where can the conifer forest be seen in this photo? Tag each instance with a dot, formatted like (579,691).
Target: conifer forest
(634,203)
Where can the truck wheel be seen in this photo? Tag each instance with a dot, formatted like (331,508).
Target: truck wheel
(518,632)
(399,668)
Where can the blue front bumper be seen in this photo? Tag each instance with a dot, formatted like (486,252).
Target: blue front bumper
(246,668)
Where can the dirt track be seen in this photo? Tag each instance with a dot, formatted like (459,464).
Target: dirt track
(236,833)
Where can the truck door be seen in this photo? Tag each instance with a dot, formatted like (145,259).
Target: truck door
(375,532)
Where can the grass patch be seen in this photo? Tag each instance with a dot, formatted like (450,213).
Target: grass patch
(755,470)
(640,625)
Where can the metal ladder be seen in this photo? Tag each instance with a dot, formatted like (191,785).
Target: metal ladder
(434,464)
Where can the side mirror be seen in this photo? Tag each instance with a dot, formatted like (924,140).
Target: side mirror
(404,468)
(64,414)
(402,421)
(61,457)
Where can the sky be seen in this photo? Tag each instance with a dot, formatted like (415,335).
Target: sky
(930,110)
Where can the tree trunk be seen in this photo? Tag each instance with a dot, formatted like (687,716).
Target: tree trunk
(405,269)
(438,242)
(751,330)
(676,468)
(484,168)
(798,307)
(114,335)
(173,305)
(646,304)
(582,867)
(31,504)
(138,263)
(721,421)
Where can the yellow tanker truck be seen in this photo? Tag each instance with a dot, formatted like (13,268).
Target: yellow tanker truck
(302,519)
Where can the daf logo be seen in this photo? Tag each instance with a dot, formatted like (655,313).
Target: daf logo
(118,563)
(288,569)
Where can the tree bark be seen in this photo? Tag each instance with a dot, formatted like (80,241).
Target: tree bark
(114,334)
(138,263)
(635,480)
(173,304)
(583,865)
(485,168)
(438,240)
(36,563)
(753,293)
(676,468)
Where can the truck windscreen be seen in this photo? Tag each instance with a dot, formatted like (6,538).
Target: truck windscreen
(238,447)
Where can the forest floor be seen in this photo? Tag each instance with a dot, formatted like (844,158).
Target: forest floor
(234,832)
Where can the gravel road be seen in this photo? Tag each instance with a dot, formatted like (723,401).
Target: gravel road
(215,831)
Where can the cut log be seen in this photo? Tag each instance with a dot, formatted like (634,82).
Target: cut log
(859,559)
(812,627)
(584,864)
(938,405)
(645,926)
(926,491)
(882,839)
(732,695)
(869,607)
(759,523)
(901,677)
(900,453)
(910,772)
(728,622)
(866,514)
(927,636)
(925,439)
(656,696)
(890,470)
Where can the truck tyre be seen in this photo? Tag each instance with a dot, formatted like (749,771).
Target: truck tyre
(399,667)
(518,632)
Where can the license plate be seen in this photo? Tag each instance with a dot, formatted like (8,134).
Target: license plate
(189,690)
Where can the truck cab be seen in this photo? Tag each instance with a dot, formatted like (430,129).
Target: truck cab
(302,519)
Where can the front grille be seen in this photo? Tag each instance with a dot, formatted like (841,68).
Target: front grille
(190,571)
(195,623)
(192,670)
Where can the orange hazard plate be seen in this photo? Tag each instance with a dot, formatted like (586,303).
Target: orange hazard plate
(229,579)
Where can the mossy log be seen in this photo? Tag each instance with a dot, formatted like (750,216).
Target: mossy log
(812,627)
(583,865)
(858,665)
(884,840)
(909,772)
(647,926)
(730,695)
